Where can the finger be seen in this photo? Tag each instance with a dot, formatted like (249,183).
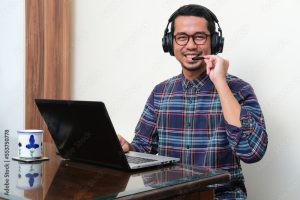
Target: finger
(226,63)
(213,60)
(208,64)
(121,140)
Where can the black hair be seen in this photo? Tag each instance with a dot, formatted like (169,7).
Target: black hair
(197,11)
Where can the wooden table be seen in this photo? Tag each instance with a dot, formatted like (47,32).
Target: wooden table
(87,181)
(61,179)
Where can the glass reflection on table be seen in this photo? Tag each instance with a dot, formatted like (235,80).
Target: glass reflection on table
(172,175)
(29,175)
(84,181)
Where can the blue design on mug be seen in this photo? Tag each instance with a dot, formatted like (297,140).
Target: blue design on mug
(20,145)
(32,143)
(31,178)
(32,146)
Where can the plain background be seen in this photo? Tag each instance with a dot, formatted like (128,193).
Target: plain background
(12,84)
(118,59)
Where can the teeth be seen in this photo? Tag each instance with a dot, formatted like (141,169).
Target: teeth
(190,56)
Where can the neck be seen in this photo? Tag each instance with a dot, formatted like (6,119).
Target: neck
(191,75)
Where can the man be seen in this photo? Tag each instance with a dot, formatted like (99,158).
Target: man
(204,116)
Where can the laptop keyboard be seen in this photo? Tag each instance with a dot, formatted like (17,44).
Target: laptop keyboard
(138,160)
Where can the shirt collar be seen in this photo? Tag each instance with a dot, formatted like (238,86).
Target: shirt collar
(197,82)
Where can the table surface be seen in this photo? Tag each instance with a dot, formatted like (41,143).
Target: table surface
(62,179)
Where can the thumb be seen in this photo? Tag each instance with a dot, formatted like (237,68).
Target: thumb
(121,139)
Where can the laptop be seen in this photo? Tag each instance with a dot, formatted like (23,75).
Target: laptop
(83,131)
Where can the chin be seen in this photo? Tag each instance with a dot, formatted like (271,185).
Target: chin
(192,68)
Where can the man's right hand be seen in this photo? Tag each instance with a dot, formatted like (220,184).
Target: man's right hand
(125,145)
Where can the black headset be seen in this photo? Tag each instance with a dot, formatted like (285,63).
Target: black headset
(217,40)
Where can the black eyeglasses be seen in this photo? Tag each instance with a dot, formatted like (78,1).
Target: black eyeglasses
(182,38)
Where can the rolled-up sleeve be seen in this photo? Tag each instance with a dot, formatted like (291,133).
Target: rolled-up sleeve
(250,140)
(146,138)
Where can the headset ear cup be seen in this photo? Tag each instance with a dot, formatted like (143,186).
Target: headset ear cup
(167,43)
(164,44)
(170,43)
(217,43)
(214,43)
(221,44)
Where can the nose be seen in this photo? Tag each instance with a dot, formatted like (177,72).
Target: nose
(191,44)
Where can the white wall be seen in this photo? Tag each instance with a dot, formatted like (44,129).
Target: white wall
(12,85)
(118,59)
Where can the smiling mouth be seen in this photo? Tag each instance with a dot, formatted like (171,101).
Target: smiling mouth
(190,57)
(198,58)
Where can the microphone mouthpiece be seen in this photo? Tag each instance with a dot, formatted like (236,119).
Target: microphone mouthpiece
(198,58)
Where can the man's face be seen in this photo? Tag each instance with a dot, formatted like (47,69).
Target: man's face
(191,26)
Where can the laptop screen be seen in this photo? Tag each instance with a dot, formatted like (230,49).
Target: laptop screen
(82,130)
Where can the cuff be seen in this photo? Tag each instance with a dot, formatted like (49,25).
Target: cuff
(134,147)
(234,133)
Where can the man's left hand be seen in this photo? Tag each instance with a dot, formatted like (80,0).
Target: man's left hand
(216,68)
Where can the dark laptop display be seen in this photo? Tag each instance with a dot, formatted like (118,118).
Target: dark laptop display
(83,131)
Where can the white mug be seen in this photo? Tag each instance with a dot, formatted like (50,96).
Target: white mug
(30,143)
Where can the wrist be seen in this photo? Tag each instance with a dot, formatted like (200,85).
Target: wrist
(131,148)
(220,83)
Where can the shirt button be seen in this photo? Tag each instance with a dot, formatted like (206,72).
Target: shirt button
(190,100)
(187,147)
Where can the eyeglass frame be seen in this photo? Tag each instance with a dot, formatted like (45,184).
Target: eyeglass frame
(191,36)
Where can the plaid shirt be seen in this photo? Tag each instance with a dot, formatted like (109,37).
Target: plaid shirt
(184,119)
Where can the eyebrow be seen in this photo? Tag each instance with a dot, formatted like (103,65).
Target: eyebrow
(184,33)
